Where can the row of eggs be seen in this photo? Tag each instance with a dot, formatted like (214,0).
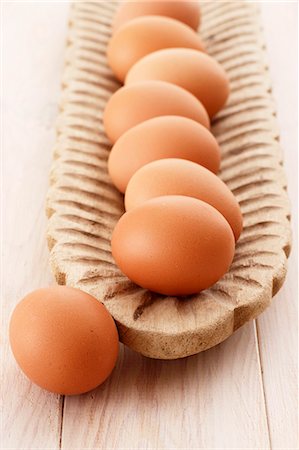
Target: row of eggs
(178,234)
(178,243)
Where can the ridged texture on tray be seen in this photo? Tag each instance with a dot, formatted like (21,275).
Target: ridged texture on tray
(83,207)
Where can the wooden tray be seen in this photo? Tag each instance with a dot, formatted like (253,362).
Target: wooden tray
(83,207)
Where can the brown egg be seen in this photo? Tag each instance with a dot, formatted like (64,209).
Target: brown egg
(134,104)
(161,137)
(182,177)
(174,245)
(195,71)
(145,35)
(64,340)
(185,11)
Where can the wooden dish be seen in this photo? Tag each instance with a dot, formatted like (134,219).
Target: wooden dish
(83,206)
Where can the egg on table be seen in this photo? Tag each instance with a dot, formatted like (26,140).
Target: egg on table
(64,340)
(144,35)
(182,177)
(158,138)
(190,69)
(138,102)
(185,11)
(173,245)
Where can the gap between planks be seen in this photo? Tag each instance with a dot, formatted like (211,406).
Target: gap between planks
(262,381)
(61,407)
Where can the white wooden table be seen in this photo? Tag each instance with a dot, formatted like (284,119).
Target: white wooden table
(241,394)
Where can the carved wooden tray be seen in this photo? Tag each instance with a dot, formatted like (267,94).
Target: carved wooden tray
(83,207)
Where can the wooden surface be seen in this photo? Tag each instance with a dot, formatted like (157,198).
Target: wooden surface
(240,394)
(83,205)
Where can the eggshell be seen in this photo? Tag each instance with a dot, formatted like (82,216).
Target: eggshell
(134,104)
(174,245)
(181,177)
(145,35)
(63,339)
(161,137)
(185,11)
(193,70)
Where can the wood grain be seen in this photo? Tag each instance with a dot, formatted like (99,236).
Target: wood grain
(278,326)
(31,417)
(147,401)
(84,207)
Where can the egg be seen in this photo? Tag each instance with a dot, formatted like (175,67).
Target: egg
(190,69)
(64,340)
(134,104)
(173,245)
(185,11)
(161,137)
(145,35)
(181,177)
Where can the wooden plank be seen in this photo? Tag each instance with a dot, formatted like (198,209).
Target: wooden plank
(203,401)
(278,326)
(210,400)
(32,56)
